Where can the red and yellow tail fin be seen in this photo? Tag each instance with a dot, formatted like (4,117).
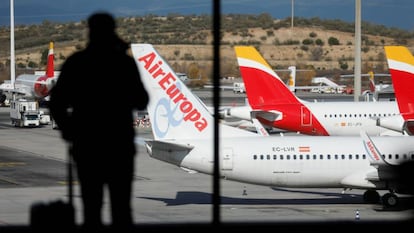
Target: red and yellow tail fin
(263,85)
(292,78)
(371,82)
(50,67)
(401,65)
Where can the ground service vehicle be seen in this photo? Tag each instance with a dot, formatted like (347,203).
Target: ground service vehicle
(239,88)
(24,113)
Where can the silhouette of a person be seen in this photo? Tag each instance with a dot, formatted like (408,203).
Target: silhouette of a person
(93,103)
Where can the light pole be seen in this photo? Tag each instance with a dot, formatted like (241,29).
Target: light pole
(291,20)
(12,55)
(357,66)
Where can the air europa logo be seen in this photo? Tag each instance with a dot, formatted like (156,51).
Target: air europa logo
(167,81)
(372,150)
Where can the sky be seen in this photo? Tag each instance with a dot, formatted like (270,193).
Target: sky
(390,13)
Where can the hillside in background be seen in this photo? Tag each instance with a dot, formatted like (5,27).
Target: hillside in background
(323,47)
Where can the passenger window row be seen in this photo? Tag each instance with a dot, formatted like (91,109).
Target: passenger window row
(360,115)
(327,157)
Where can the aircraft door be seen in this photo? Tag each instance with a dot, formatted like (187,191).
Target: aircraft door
(227,159)
(306,116)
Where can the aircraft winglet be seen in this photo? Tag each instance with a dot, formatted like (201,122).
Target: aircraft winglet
(374,154)
(259,127)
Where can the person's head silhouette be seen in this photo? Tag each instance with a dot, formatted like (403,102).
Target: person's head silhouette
(101,23)
(102,27)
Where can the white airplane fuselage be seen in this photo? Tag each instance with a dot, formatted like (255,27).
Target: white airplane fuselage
(34,86)
(332,118)
(38,85)
(292,161)
(349,118)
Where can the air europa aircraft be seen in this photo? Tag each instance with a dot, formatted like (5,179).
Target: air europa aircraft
(273,104)
(182,130)
(36,86)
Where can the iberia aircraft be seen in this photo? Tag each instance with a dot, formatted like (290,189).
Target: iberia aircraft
(372,86)
(401,66)
(183,135)
(331,86)
(36,86)
(273,104)
(337,88)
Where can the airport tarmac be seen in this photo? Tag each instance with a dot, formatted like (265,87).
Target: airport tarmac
(32,169)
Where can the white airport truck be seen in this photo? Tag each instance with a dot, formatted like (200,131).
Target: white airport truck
(238,87)
(44,118)
(24,113)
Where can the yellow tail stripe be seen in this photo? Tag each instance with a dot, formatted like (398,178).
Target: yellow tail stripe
(400,54)
(250,53)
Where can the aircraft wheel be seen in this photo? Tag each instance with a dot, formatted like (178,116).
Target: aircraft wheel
(2,98)
(390,200)
(371,196)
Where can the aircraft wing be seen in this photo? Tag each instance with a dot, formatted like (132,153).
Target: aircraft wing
(385,170)
(9,89)
(168,151)
(383,173)
(362,179)
(168,146)
(308,87)
(375,156)
(220,87)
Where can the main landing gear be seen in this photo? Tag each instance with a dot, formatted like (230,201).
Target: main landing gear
(388,199)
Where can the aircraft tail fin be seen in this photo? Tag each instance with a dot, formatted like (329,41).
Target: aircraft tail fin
(401,66)
(263,85)
(43,84)
(292,78)
(372,88)
(50,67)
(174,111)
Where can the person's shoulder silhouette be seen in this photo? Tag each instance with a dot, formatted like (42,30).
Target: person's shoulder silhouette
(102,65)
